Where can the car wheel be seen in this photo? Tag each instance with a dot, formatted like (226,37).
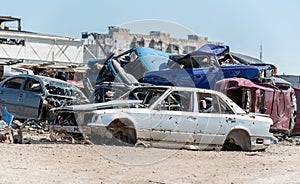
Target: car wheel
(125,134)
(237,140)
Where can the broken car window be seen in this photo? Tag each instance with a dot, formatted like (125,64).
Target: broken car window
(147,95)
(202,61)
(210,103)
(32,85)
(178,101)
(14,83)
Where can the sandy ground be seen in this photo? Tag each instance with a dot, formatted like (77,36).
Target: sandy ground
(67,163)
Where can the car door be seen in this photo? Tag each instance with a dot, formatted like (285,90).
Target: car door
(174,118)
(30,98)
(10,92)
(215,118)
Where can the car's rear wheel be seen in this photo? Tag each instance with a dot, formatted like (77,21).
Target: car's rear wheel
(237,140)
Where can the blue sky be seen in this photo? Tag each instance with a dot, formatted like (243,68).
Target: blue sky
(243,25)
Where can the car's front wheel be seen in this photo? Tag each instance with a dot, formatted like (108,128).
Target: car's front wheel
(123,131)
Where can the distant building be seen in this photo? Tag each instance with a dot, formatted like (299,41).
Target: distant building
(293,79)
(118,40)
(29,47)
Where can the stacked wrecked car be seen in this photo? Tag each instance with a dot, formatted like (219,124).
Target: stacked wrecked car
(151,98)
(131,119)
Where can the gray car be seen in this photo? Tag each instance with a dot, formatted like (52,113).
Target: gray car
(31,96)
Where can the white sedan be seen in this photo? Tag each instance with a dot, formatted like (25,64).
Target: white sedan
(174,117)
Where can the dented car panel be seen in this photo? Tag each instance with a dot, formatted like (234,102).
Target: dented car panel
(31,97)
(296,105)
(121,72)
(133,62)
(202,69)
(176,117)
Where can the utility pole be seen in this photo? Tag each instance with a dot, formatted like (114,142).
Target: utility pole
(260,53)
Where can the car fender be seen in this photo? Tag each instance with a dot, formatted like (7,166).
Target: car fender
(238,127)
(106,117)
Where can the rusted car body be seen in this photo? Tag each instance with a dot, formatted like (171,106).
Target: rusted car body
(296,105)
(31,96)
(173,117)
(270,99)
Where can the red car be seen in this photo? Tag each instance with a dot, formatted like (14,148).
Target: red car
(265,98)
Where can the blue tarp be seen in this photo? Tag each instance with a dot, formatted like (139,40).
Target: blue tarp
(7,117)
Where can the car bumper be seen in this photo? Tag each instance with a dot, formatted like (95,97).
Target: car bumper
(260,143)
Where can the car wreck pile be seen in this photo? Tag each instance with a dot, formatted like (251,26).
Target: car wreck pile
(210,99)
(29,98)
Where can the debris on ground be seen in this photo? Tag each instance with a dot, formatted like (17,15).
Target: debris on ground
(33,132)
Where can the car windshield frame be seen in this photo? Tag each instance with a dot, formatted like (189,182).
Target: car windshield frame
(126,96)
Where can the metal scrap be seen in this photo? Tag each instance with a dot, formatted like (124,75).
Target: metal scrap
(33,132)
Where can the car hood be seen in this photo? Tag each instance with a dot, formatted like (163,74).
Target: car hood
(98,106)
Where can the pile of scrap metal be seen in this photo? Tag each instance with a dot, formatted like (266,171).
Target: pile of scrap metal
(120,73)
(31,132)
(251,83)
(29,98)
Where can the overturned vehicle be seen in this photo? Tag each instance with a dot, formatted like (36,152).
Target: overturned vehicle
(207,65)
(31,97)
(171,117)
(120,73)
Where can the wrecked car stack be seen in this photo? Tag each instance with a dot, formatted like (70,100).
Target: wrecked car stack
(204,71)
(149,97)
(249,82)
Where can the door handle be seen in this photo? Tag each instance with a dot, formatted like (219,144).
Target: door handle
(192,117)
(232,120)
(1,92)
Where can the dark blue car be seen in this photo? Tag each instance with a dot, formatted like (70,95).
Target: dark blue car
(204,67)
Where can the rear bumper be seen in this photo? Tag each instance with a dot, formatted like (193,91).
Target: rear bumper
(260,143)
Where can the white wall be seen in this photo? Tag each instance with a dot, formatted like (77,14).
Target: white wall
(40,47)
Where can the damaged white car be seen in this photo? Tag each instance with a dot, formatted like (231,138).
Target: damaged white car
(172,117)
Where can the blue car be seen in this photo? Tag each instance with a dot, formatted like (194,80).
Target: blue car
(204,67)
(121,72)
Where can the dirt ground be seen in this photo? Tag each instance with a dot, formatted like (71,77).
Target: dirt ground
(77,163)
